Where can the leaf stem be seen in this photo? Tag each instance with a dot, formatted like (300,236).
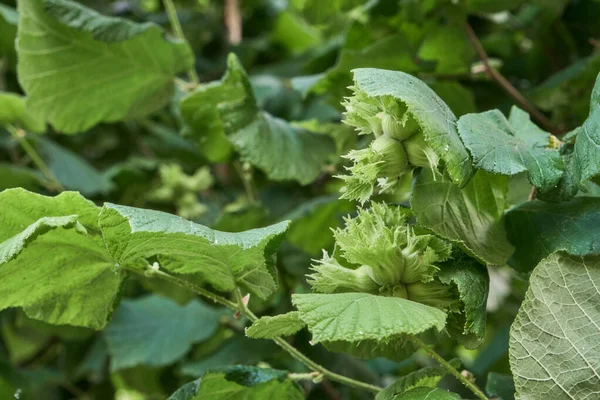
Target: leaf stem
(291,350)
(176,26)
(241,307)
(448,367)
(188,285)
(19,135)
(247,181)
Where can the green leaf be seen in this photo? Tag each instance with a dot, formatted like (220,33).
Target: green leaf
(248,383)
(422,393)
(353,317)
(9,19)
(472,281)
(278,325)
(13,111)
(469,217)
(500,386)
(436,44)
(587,146)
(156,331)
(226,112)
(511,146)
(14,176)
(225,260)
(425,377)
(537,229)
(237,350)
(554,338)
(80,68)
(73,171)
(61,276)
(313,220)
(434,117)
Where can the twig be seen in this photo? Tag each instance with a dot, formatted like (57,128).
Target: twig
(506,85)
(448,367)
(246,178)
(178,31)
(233,21)
(19,135)
(241,307)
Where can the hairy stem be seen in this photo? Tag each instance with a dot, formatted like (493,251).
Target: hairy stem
(241,307)
(19,135)
(246,179)
(506,85)
(448,367)
(178,31)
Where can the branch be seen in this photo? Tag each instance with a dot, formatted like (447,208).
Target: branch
(240,307)
(448,367)
(507,86)
(178,31)
(233,21)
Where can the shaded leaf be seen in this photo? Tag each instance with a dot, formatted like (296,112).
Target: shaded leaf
(73,171)
(248,383)
(13,111)
(500,386)
(156,331)
(9,19)
(226,111)
(425,377)
(278,325)
(80,68)
(537,229)
(472,281)
(554,346)
(470,217)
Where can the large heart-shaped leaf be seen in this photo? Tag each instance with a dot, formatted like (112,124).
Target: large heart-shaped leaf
(80,68)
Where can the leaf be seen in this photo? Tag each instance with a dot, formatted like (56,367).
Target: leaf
(237,350)
(472,281)
(554,340)
(500,386)
(13,111)
(225,260)
(587,146)
(13,176)
(248,383)
(537,229)
(80,68)
(9,19)
(278,325)
(425,377)
(436,44)
(156,331)
(226,112)
(433,115)
(511,146)
(469,217)
(10,248)
(422,393)
(73,171)
(62,276)
(313,220)
(353,317)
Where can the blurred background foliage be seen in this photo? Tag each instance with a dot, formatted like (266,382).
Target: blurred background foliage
(299,54)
